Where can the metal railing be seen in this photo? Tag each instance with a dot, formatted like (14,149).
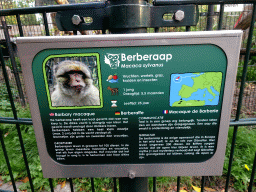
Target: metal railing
(236,122)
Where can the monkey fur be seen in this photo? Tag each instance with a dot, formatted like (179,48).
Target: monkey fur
(74,86)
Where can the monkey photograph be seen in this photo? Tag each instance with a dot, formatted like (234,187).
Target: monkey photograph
(72,82)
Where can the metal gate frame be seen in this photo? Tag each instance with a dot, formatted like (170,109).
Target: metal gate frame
(43,10)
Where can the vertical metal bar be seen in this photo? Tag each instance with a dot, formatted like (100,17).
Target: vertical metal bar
(16,117)
(115,187)
(221,16)
(92,183)
(14,65)
(71,184)
(246,61)
(46,24)
(188,28)
(8,87)
(231,157)
(203,182)
(7,159)
(200,17)
(154,184)
(240,99)
(210,17)
(252,175)
(178,184)
(19,25)
(25,157)
(75,32)
(51,185)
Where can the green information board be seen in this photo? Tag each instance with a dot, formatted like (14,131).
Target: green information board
(147,101)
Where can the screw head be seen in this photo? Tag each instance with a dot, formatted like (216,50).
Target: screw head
(131,175)
(76,20)
(179,15)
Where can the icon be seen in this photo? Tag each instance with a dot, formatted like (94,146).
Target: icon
(51,114)
(177,79)
(112,78)
(114,103)
(112,60)
(117,113)
(114,91)
(165,111)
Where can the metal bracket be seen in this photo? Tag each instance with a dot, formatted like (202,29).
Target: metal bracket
(114,16)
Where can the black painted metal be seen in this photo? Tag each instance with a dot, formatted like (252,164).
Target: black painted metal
(239,105)
(202,183)
(46,24)
(51,185)
(138,184)
(154,184)
(200,2)
(243,122)
(126,18)
(221,17)
(231,157)
(17,125)
(178,184)
(115,187)
(252,175)
(49,9)
(1,134)
(246,61)
(14,65)
(14,121)
(92,183)
(19,25)
(71,184)
(7,161)
(210,17)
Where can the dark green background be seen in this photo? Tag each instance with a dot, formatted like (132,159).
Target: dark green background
(185,59)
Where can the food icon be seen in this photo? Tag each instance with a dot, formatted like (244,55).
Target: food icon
(112,78)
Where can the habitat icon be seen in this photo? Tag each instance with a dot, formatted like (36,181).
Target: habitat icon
(112,60)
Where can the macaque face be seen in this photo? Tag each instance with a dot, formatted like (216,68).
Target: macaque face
(74,85)
(76,81)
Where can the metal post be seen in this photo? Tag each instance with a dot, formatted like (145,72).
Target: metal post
(138,184)
(203,183)
(137,15)
(221,16)
(210,17)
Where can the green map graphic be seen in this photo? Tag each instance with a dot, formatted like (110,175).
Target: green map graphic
(195,89)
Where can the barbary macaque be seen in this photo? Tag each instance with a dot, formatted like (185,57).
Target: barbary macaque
(74,85)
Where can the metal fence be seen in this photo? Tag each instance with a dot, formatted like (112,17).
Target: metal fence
(210,19)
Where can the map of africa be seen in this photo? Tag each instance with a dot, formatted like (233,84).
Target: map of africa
(195,89)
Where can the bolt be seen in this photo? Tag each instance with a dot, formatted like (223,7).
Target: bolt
(76,20)
(179,15)
(131,175)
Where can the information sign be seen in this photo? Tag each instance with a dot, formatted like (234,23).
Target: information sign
(153,104)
